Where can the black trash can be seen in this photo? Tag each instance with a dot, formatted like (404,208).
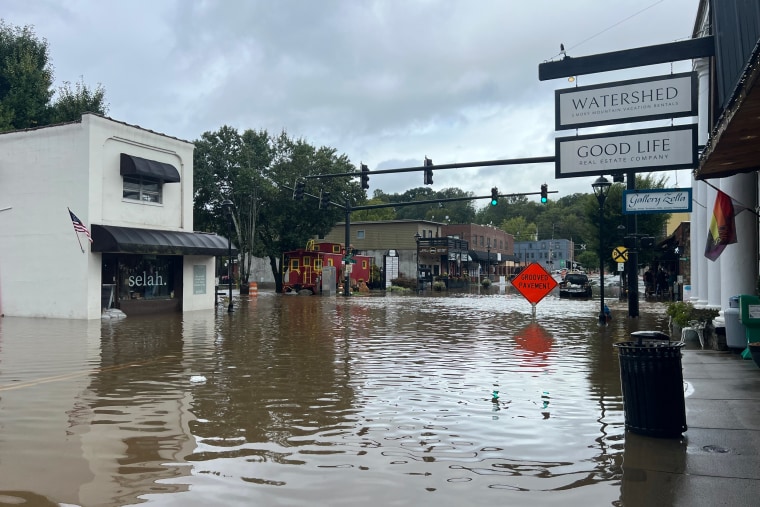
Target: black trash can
(652,381)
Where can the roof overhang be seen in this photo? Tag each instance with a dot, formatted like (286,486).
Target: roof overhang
(734,143)
(113,239)
(131,165)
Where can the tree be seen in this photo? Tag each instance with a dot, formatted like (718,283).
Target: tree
(71,103)
(374,215)
(26,79)
(286,224)
(519,228)
(230,165)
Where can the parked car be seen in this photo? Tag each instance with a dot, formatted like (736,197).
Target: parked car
(575,285)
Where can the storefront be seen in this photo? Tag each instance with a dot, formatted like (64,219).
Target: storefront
(142,270)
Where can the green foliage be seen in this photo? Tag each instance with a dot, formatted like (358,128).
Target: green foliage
(71,103)
(519,228)
(404,282)
(26,80)
(682,313)
(455,212)
(26,77)
(257,172)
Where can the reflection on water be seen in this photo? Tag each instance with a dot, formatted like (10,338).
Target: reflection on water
(321,401)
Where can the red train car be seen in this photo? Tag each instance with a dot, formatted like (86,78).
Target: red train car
(302,268)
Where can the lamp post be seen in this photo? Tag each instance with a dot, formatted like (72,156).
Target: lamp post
(227,207)
(488,260)
(417,240)
(601,187)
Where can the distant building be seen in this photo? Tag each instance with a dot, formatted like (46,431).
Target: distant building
(456,250)
(552,254)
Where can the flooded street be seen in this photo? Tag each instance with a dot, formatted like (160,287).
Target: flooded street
(321,401)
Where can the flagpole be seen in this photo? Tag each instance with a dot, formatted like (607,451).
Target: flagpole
(754,212)
(76,233)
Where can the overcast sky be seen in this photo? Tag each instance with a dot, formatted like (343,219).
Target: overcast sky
(387,82)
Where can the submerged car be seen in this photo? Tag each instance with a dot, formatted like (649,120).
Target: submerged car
(575,285)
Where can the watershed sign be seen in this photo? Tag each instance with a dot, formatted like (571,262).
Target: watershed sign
(653,98)
(656,149)
(659,200)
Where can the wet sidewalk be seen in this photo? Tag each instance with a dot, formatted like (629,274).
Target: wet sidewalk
(717,462)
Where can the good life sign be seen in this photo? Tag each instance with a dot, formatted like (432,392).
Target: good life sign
(656,149)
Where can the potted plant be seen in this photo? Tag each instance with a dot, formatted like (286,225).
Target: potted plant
(683,315)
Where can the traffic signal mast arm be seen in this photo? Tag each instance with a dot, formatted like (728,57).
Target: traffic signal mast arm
(414,203)
(482,163)
(435,201)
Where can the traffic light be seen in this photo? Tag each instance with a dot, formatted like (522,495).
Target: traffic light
(298,192)
(428,171)
(544,192)
(647,242)
(494,196)
(324,200)
(365,177)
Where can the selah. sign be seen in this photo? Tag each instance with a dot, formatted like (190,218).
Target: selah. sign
(658,200)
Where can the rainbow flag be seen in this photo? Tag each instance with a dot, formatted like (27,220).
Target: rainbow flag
(722,229)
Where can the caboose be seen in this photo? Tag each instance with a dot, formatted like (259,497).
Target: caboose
(302,268)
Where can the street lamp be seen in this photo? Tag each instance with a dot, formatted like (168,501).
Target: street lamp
(227,207)
(488,259)
(601,187)
(417,240)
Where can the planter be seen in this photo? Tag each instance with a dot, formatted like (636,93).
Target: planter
(754,349)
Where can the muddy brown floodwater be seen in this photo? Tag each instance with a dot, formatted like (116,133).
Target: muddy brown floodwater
(321,401)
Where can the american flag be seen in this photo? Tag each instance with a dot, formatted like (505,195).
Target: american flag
(79,226)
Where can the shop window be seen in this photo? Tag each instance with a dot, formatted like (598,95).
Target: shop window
(336,249)
(147,276)
(294,265)
(143,189)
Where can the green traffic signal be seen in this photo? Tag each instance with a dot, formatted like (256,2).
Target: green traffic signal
(494,196)
(544,191)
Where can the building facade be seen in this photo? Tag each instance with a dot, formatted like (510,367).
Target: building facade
(133,189)
(729,98)
(552,254)
(391,243)
(491,250)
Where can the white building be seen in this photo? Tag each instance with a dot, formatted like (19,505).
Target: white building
(133,189)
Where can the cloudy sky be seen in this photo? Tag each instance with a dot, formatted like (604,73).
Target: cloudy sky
(387,82)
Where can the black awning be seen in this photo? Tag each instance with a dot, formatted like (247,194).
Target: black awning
(136,166)
(109,238)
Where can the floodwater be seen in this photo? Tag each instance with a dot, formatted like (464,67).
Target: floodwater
(321,401)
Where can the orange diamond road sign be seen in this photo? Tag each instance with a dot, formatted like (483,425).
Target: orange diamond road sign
(534,283)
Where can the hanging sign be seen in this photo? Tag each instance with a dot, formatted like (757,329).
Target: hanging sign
(658,200)
(644,99)
(534,283)
(655,149)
